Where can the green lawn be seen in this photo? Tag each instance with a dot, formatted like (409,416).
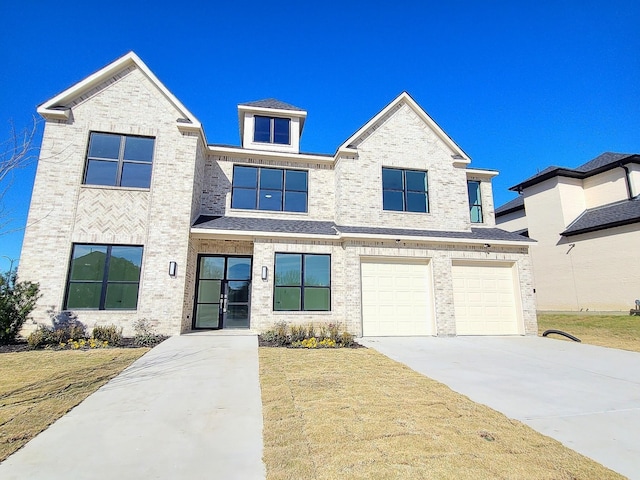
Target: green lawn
(615,331)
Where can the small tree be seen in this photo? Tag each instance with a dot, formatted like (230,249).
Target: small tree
(17,301)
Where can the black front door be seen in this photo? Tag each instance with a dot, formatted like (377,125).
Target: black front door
(223,290)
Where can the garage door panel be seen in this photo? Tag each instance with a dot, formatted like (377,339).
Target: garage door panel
(396,298)
(484,299)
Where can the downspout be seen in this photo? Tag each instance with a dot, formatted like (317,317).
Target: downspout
(627,178)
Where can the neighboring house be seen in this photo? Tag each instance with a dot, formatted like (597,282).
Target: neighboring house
(586,222)
(134,215)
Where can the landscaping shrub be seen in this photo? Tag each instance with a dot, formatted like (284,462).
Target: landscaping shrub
(109,333)
(307,336)
(17,301)
(145,335)
(41,337)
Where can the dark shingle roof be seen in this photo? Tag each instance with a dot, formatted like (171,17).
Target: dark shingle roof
(265,225)
(272,103)
(601,163)
(311,228)
(606,216)
(475,234)
(511,206)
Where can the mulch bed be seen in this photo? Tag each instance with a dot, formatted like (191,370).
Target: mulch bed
(265,343)
(21,345)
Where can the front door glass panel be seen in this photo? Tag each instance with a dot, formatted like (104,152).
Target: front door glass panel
(223,292)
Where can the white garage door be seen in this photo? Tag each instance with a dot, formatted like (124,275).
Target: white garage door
(397,298)
(484,299)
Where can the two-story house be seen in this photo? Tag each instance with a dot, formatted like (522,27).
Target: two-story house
(586,221)
(134,215)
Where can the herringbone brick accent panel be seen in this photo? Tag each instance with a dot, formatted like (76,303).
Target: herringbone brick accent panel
(111,212)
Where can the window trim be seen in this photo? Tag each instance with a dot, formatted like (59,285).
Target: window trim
(284,190)
(272,130)
(120,161)
(475,205)
(105,278)
(405,191)
(302,286)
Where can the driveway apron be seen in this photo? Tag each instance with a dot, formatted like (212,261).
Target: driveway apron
(190,408)
(586,397)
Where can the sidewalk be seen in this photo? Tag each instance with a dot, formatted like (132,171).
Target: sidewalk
(189,409)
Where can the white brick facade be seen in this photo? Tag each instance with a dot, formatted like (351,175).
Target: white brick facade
(191,179)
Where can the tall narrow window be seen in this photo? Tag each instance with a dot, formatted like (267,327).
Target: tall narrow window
(475,201)
(404,190)
(257,188)
(272,130)
(104,277)
(302,282)
(119,160)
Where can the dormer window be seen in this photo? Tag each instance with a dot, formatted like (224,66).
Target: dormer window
(272,130)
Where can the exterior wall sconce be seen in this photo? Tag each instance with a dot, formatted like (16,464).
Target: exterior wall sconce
(486,245)
(265,273)
(173,268)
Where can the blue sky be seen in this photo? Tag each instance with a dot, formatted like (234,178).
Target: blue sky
(519,85)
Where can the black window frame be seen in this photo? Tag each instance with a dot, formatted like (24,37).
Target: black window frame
(477,205)
(258,189)
(104,281)
(405,190)
(121,161)
(273,135)
(302,285)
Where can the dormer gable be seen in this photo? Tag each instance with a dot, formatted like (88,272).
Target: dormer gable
(271,125)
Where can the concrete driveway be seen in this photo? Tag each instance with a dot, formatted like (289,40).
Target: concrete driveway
(190,408)
(586,397)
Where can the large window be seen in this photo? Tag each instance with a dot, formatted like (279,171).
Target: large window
(258,188)
(404,190)
(104,277)
(302,282)
(119,160)
(271,130)
(475,201)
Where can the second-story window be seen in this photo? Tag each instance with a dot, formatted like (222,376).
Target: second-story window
(257,188)
(271,130)
(119,160)
(475,201)
(404,190)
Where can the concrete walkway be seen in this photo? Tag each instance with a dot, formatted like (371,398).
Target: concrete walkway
(189,409)
(586,397)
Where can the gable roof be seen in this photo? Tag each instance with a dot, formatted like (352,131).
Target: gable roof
(511,206)
(606,216)
(601,163)
(58,106)
(271,103)
(404,98)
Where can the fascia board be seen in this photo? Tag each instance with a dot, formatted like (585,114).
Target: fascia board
(244,153)
(273,111)
(482,173)
(413,238)
(247,234)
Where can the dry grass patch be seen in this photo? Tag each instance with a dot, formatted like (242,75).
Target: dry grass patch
(614,331)
(333,414)
(38,387)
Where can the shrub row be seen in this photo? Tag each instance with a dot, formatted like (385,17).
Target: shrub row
(307,336)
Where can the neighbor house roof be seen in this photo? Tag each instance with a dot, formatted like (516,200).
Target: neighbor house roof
(511,206)
(606,216)
(271,103)
(601,163)
(307,227)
